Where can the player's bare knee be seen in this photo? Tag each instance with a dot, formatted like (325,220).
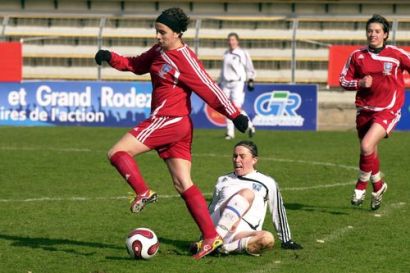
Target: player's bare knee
(112,152)
(267,240)
(247,194)
(366,147)
(181,185)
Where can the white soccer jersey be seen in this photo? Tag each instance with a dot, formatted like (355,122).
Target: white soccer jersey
(237,66)
(266,194)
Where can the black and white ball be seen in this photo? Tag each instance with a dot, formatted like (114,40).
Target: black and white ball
(142,243)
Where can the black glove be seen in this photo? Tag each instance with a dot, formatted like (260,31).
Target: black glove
(291,245)
(241,123)
(102,55)
(251,85)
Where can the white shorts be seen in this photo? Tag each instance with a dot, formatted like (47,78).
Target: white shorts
(241,227)
(234,91)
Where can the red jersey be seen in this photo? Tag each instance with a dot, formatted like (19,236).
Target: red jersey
(386,68)
(174,74)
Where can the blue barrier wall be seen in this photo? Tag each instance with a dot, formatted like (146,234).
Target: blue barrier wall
(404,123)
(124,104)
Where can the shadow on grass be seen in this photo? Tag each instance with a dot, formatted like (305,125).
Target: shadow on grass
(48,244)
(181,247)
(304,207)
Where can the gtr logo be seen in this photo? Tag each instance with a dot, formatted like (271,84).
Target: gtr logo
(278,103)
(278,108)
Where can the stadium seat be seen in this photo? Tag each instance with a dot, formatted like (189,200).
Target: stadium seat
(59,36)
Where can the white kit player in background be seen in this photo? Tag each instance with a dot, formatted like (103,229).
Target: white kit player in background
(239,206)
(237,68)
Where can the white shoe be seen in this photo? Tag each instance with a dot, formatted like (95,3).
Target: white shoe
(377,197)
(228,137)
(251,129)
(358,197)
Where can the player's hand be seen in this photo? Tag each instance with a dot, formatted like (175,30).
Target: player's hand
(366,81)
(291,245)
(251,85)
(241,123)
(102,55)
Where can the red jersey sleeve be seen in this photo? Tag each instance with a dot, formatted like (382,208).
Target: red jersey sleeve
(404,59)
(194,76)
(347,78)
(138,65)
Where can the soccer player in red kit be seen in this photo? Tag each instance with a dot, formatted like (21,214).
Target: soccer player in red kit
(175,72)
(376,72)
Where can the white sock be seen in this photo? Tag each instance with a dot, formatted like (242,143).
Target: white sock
(230,128)
(364,176)
(375,177)
(237,246)
(233,211)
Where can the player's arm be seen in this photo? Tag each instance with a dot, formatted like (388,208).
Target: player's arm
(405,60)
(198,80)
(138,65)
(195,78)
(279,218)
(249,68)
(215,197)
(347,78)
(250,72)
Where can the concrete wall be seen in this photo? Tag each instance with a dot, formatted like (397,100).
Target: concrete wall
(336,110)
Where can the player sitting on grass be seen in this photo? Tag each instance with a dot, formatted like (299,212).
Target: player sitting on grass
(239,204)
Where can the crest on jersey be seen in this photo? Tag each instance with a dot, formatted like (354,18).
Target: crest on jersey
(164,70)
(256,186)
(387,68)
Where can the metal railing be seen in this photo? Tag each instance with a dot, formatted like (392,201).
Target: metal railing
(294,32)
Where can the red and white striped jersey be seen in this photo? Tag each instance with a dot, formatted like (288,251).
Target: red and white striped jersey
(175,74)
(386,69)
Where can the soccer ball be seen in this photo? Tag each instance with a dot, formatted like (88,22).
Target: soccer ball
(142,243)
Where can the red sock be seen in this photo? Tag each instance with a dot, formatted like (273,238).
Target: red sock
(365,166)
(360,185)
(377,185)
(198,208)
(366,162)
(128,168)
(376,164)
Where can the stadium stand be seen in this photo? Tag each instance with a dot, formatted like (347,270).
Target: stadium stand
(60,37)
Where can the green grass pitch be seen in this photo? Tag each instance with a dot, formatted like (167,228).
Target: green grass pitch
(63,208)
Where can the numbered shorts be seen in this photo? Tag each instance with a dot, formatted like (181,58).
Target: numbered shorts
(171,137)
(387,119)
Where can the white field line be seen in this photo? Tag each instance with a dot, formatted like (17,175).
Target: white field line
(33,148)
(318,186)
(287,160)
(81,150)
(86,150)
(338,233)
(79,198)
(389,208)
(162,196)
(270,267)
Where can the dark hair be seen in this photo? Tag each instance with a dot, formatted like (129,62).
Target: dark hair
(175,19)
(233,34)
(376,18)
(249,145)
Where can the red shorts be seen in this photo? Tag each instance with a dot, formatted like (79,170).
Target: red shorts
(387,119)
(171,137)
